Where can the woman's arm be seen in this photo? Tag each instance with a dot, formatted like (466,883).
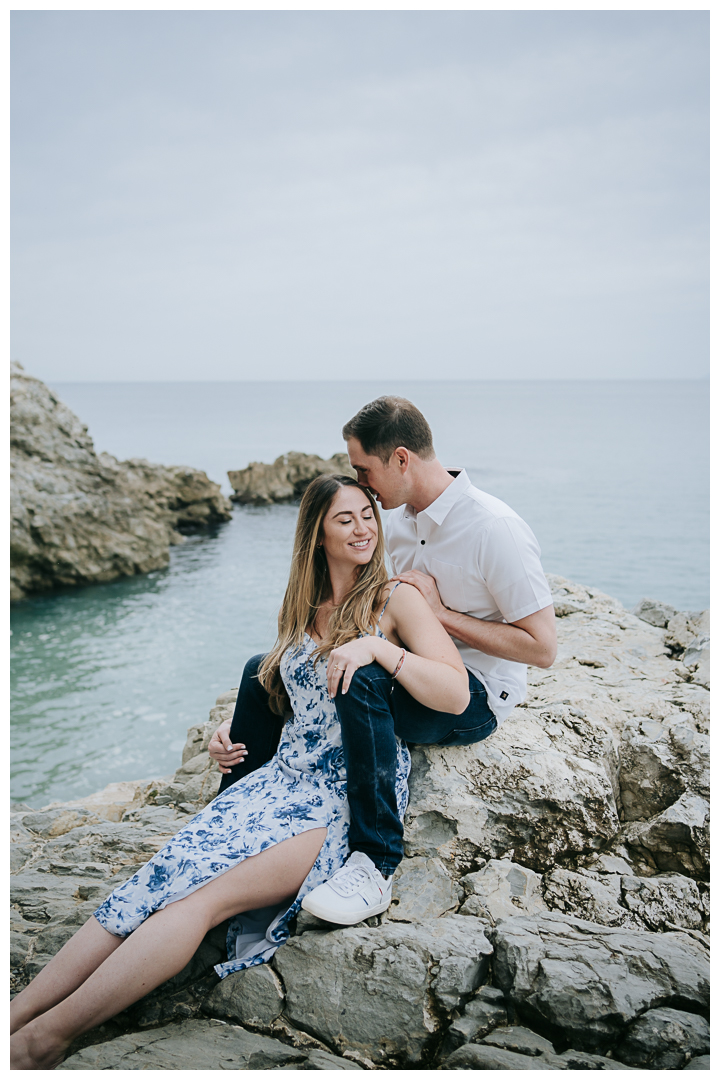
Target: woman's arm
(432,670)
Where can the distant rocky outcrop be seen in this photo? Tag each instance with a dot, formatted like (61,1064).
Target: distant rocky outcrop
(78,517)
(551,911)
(284,480)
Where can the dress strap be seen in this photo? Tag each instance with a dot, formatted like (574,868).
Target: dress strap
(388,600)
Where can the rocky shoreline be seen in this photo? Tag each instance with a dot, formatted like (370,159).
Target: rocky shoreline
(551,912)
(78,517)
(285,480)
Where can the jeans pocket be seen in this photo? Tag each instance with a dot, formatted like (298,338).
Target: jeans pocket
(466,736)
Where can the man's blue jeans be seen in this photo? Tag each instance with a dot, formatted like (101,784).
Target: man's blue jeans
(374,710)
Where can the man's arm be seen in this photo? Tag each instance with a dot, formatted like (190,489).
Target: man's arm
(531,640)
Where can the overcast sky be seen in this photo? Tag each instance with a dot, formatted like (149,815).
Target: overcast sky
(265,195)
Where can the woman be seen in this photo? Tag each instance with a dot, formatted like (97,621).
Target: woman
(265,842)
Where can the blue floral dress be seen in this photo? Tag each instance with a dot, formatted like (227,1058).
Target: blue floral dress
(302,787)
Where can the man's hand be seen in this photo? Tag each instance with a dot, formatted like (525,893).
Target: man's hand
(531,640)
(223,751)
(426,585)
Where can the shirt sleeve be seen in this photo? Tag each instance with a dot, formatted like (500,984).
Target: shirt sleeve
(509,563)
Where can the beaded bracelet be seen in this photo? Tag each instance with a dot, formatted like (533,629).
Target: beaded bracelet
(399,665)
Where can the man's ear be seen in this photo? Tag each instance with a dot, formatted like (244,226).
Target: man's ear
(402,457)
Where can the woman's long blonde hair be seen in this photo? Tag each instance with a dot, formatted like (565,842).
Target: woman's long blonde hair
(309,586)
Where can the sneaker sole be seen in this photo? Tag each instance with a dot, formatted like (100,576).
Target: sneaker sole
(341,919)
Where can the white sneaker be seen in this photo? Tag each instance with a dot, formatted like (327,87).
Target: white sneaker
(355,892)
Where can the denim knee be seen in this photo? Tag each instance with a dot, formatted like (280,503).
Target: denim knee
(253,666)
(366,678)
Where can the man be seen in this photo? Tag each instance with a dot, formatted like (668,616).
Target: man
(478,566)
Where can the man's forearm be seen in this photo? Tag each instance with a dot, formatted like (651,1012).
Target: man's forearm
(504,640)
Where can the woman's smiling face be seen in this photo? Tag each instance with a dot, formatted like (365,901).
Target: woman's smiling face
(350,530)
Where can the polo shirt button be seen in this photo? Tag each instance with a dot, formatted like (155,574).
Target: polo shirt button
(422,541)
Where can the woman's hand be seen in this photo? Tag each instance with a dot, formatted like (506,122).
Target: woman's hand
(344,662)
(225,752)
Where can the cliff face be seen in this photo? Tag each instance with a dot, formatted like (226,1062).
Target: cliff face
(78,517)
(551,911)
(286,479)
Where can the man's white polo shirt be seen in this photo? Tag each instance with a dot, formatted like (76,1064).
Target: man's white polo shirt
(486,562)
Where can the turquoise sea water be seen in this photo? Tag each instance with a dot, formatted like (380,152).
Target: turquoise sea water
(612,477)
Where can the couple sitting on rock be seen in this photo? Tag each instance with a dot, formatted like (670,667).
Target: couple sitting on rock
(315,788)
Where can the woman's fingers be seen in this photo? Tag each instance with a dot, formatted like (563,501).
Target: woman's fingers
(334,676)
(344,662)
(347,677)
(336,669)
(334,672)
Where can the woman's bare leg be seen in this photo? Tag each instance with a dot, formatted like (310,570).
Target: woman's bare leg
(69,968)
(161,947)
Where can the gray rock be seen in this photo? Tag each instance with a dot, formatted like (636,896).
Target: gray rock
(594,897)
(286,479)
(664,1039)
(39,896)
(702,1062)
(576,1059)
(488,1014)
(422,889)
(198,1044)
(542,787)
(501,889)
(19,855)
(19,945)
(456,979)
(466,1029)
(678,839)
(305,921)
(381,992)
(480,1056)
(484,1012)
(519,1040)
(653,612)
(684,627)
(51,823)
(697,658)
(79,517)
(665,901)
(320,1059)
(661,761)
(589,982)
(253,997)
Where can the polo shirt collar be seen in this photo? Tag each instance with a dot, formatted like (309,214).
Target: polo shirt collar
(439,509)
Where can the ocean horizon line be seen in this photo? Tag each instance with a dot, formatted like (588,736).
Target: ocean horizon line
(348,382)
